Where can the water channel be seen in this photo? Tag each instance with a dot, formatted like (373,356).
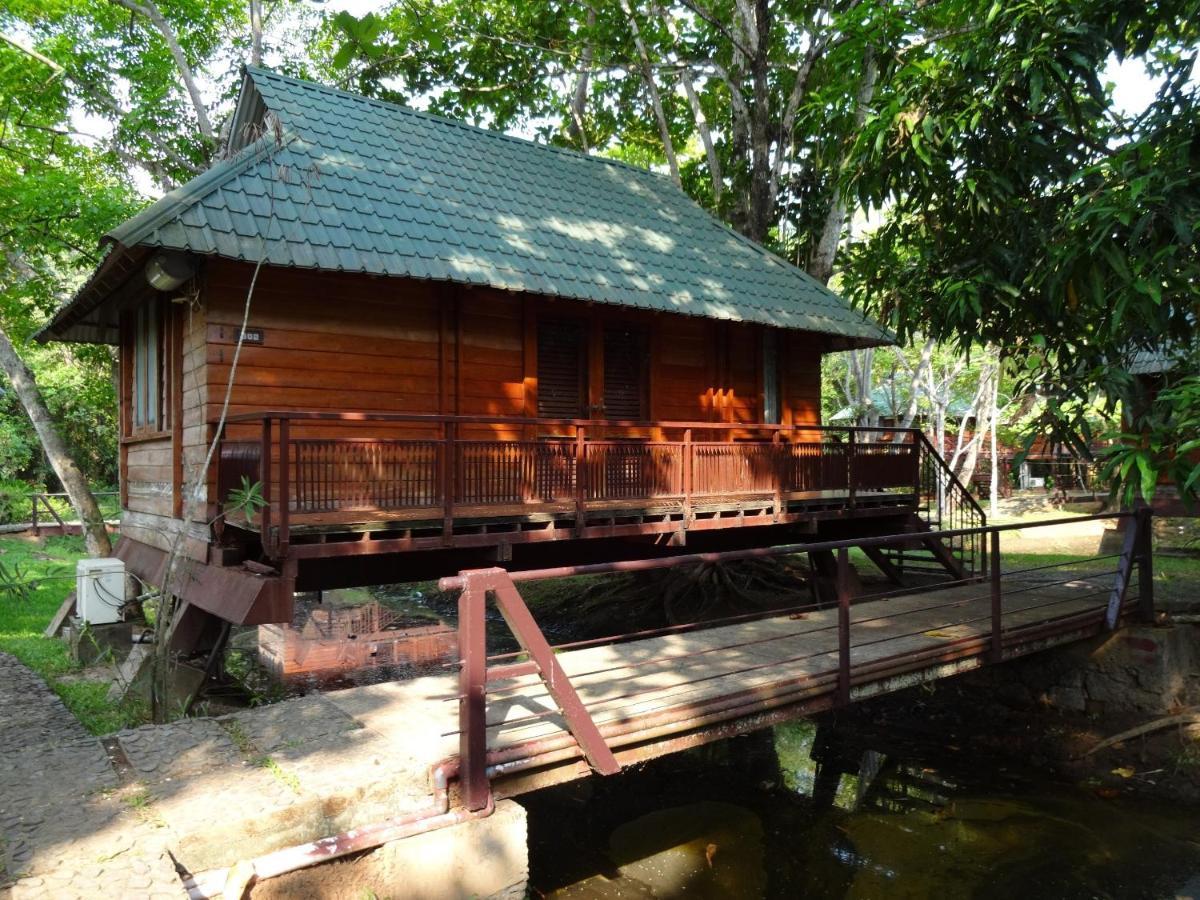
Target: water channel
(753,817)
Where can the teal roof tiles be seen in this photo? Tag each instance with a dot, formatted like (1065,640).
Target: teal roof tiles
(355,184)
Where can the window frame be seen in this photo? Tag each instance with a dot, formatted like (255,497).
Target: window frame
(772,383)
(146,393)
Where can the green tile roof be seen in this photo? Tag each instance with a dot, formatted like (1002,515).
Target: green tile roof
(355,184)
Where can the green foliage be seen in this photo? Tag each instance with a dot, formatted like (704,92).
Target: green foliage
(1168,444)
(1026,211)
(14,501)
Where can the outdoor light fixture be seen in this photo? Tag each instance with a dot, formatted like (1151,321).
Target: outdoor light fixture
(169,269)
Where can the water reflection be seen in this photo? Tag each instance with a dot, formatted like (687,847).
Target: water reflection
(809,812)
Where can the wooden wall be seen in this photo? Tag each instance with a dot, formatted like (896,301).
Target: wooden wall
(338,342)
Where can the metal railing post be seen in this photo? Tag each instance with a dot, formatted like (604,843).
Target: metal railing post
(33,513)
(997,596)
(1145,560)
(843,600)
(264,474)
(472,693)
(851,468)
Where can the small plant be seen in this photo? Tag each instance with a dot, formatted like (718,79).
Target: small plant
(282,775)
(246,499)
(238,735)
(14,502)
(15,583)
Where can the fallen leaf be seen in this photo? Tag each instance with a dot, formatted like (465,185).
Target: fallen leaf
(1124,772)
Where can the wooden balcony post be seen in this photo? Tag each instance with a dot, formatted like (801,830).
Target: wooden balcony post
(448,473)
(687,476)
(843,601)
(581,479)
(997,597)
(264,476)
(284,485)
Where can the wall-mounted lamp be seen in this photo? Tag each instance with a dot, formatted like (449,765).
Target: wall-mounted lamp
(168,269)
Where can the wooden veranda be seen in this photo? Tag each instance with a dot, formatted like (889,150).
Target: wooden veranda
(359,482)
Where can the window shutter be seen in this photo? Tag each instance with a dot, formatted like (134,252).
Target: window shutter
(625,362)
(562,369)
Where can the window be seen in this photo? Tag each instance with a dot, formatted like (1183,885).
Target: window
(626,359)
(770,377)
(147,409)
(562,365)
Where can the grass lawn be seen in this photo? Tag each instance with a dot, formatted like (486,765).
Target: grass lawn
(1176,578)
(48,567)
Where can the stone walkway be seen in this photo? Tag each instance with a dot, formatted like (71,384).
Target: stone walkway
(124,816)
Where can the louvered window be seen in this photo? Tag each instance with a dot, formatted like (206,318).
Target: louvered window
(562,369)
(626,362)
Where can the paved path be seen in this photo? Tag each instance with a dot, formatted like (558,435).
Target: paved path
(123,816)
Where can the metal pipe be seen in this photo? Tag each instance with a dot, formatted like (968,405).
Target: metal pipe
(212,883)
(455,582)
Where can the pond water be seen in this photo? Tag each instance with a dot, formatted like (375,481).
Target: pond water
(756,817)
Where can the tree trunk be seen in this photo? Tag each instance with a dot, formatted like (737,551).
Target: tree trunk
(94,533)
(831,234)
(917,377)
(150,10)
(660,116)
(256,32)
(994,491)
(580,94)
(762,202)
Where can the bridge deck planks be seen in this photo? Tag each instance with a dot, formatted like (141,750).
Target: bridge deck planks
(686,671)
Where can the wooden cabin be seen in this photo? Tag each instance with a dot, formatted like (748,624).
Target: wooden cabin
(462,348)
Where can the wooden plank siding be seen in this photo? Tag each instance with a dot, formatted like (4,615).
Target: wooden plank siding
(345,342)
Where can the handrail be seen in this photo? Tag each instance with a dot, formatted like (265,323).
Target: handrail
(590,738)
(43,499)
(945,467)
(437,419)
(445,479)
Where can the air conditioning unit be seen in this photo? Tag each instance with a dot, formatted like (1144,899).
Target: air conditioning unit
(99,590)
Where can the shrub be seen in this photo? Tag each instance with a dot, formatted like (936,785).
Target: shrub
(14,502)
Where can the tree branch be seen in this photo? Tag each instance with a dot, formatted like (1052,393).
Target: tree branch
(150,10)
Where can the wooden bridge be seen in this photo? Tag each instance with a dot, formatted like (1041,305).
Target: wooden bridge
(516,722)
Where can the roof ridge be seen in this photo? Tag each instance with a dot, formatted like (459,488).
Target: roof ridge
(446,120)
(173,203)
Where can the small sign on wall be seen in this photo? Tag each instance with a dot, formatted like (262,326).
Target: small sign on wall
(253,336)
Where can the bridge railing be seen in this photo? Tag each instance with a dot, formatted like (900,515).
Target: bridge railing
(977,630)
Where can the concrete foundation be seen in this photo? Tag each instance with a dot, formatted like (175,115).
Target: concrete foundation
(481,858)
(1142,669)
